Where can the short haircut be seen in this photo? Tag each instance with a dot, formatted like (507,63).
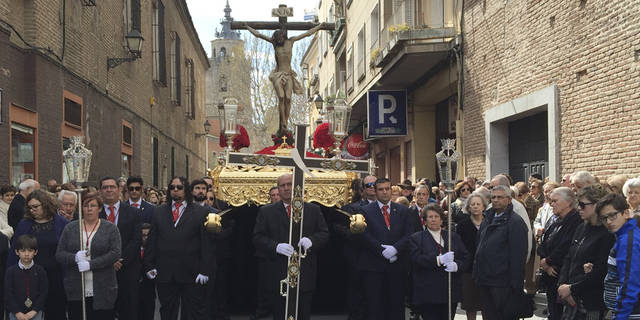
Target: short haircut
(26,184)
(381,180)
(92,196)
(397,189)
(505,189)
(105,179)
(403,200)
(593,192)
(551,184)
(67,192)
(616,200)
(6,188)
(479,196)
(68,186)
(196,182)
(567,194)
(49,205)
(26,241)
(583,177)
(631,183)
(134,179)
(434,207)
(536,176)
(273,188)
(145,225)
(522,187)
(502,180)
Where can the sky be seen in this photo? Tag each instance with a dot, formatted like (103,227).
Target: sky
(207,14)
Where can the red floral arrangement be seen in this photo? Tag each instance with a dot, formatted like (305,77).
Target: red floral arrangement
(240,141)
(277,138)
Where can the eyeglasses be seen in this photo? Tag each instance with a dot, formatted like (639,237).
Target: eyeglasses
(109,186)
(211,199)
(583,205)
(465,189)
(33,207)
(138,188)
(176,187)
(498,197)
(209,186)
(370,185)
(608,216)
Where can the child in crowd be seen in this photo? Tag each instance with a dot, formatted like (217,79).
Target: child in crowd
(25,285)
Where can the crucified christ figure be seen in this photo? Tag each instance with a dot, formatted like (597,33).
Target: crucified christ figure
(283,78)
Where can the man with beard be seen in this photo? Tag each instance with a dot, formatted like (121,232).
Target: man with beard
(127,219)
(179,254)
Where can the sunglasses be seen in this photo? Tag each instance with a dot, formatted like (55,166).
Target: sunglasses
(135,188)
(176,187)
(370,185)
(211,199)
(583,205)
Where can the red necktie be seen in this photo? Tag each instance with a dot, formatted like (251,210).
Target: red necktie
(112,216)
(288,210)
(176,211)
(141,253)
(135,205)
(387,217)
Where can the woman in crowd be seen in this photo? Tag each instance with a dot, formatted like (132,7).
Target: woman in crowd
(536,190)
(591,244)
(152,197)
(101,242)
(396,192)
(631,190)
(7,192)
(544,218)
(468,230)
(462,191)
(42,221)
(430,263)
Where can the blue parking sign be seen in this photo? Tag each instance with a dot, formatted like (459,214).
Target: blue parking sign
(387,113)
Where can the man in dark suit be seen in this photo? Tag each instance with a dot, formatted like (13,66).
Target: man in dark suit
(127,219)
(147,296)
(422,199)
(16,208)
(383,258)
(179,255)
(271,237)
(135,186)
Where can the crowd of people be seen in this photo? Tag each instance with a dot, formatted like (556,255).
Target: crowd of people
(576,240)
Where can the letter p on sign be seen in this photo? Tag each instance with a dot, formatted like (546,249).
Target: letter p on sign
(381,108)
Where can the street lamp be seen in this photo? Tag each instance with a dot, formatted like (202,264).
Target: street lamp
(77,161)
(447,160)
(134,41)
(229,111)
(207,128)
(339,118)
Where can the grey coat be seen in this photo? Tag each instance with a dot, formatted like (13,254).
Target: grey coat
(105,250)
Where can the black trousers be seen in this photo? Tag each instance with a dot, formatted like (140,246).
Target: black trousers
(553,306)
(191,295)
(355,297)
(56,304)
(384,294)
(430,311)
(75,311)
(147,299)
(219,292)
(263,303)
(493,301)
(304,305)
(128,291)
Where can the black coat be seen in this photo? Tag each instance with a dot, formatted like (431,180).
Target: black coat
(416,221)
(502,250)
(129,221)
(272,228)
(350,248)
(15,213)
(555,245)
(179,252)
(146,211)
(377,234)
(590,244)
(430,281)
(469,235)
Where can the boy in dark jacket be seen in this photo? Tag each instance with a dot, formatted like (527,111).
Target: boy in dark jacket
(26,283)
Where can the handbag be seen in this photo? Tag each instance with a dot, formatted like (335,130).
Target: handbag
(519,305)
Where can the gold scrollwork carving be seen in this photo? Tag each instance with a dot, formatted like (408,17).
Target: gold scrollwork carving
(338,165)
(297,204)
(261,160)
(294,269)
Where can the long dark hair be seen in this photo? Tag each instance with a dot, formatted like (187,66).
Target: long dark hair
(188,197)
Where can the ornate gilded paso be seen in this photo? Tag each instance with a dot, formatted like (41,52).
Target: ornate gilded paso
(261,160)
(239,185)
(338,165)
(296,204)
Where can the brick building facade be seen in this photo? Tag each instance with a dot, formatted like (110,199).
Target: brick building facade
(139,117)
(559,77)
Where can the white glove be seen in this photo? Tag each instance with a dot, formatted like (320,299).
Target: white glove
(451,267)
(151,274)
(202,279)
(284,249)
(389,251)
(83,265)
(446,258)
(393,259)
(81,256)
(305,243)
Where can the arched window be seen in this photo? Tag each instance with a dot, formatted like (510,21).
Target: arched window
(223,52)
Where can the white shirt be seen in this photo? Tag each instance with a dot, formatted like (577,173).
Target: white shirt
(25,267)
(116,206)
(139,203)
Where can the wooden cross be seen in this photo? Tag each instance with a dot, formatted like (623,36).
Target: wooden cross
(300,165)
(282,13)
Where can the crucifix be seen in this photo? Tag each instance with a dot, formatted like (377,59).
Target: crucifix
(283,78)
(289,287)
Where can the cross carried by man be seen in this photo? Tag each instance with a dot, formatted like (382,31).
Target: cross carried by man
(283,77)
(290,287)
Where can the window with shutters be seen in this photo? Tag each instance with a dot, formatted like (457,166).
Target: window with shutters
(132,15)
(126,149)
(361,54)
(158,48)
(189,90)
(350,64)
(174,58)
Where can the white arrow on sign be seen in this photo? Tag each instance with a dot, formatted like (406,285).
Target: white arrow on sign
(393,119)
